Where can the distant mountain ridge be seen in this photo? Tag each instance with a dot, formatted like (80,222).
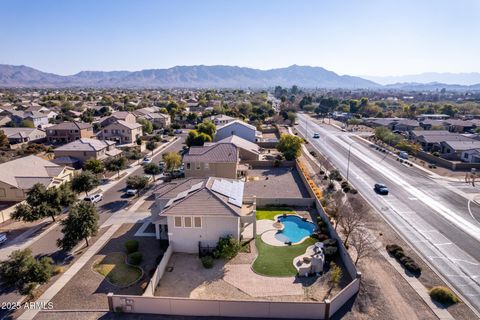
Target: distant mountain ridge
(198,76)
(464,79)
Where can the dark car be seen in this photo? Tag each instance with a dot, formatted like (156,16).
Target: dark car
(380,188)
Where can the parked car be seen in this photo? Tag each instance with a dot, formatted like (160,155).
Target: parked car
(3,238)
(94,198)
(146,160)
(316,136)
(380,188)
(131,192)
(178,131)
(403,155)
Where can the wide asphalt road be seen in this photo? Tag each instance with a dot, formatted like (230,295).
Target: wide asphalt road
(113,200)
(437,216)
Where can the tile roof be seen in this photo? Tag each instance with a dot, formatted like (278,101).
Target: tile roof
(71,125)
(85,144)
(127,124)
(234,122)
(216,153)
(241,143)
(25,172)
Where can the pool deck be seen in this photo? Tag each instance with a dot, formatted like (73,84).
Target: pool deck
(268,236)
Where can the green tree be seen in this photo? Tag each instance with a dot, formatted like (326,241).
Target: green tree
(151,145)
(116,165)
(93,165)
(137,182)
(196,138)
(152,169)
(207,127)
(84,182)
(335,274)
(147,126)
(24,272)
(172,160)
(3,139)
(292,116)
(290,146)
(81,223)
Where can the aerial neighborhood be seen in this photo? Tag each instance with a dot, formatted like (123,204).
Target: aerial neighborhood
(234,188)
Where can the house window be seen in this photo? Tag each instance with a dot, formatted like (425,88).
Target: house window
(198,166)
(206,165)
(3,194)
(197,222)
(178,222)
(187,222)
(188,165)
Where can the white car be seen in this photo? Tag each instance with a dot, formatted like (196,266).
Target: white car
(94,198)
(131,192)
(146,160)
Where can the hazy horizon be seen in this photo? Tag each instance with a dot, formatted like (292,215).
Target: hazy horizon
(370,37)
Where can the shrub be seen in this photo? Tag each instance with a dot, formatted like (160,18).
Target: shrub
(443,295)
(331,186)
(325,177)
(135,258)
(392,248)
(313,153)
(407,262)
(335,175)
(207,262)
(344,184)
(346,189)
(322,172)
(131,246)
(330,243)
(435,154)
(330,253)
(353,191)
(227,247)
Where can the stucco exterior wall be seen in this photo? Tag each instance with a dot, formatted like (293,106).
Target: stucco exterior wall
(222,170)
(236,129)
(186,239)
(10,193)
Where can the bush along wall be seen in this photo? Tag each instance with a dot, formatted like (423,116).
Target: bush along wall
(407,262)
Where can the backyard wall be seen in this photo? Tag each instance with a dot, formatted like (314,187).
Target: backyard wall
(153,283)
(268,163)
(6,213)
(294,202)
(216,308)
(452,165)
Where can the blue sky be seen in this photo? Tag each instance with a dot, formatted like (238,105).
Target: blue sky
(358,37)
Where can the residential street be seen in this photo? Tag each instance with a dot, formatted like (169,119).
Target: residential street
(113,201)
(437,216)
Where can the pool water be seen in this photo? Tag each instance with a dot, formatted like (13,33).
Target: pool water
(295,229)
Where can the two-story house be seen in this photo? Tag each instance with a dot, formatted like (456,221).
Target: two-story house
(77,152)
(125,116)
(238,128)
(215,160)
(66,132)
(121,132)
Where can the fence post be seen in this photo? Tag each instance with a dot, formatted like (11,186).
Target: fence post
(327,309)
(110,301)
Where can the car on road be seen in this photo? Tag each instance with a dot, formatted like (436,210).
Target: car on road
(3,238)
(380,188)
(316,136)
(178,131)
(94,198)
(146,160)
(131,192)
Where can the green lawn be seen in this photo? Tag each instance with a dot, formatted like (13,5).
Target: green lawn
(114,268)
(278,261)
(271,212)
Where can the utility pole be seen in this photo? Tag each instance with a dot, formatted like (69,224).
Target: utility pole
(348,161)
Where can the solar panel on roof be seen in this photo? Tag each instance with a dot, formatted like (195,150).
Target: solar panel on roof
(231,189)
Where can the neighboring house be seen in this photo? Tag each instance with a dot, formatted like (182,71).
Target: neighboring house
(215,160)
(453,150)
(196,212)
(159,120)
(471,155)
(423,117)
(431,140)
(433,124)
(4,120)
(246,150)
(458,125)
(37,118)
(238,128)
(23,135)
(221,119)
(121,132)
(66,132)
(18,176)
(116,116)
(79,151)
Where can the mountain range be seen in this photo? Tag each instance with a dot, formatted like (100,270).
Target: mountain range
(201,76)
(464,79)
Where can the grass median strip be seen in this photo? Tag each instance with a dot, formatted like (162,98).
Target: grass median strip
(116,270)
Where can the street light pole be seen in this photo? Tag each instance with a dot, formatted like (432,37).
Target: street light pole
(348,163)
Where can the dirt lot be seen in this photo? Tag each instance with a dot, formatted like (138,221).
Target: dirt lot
(268,183)
(384,291)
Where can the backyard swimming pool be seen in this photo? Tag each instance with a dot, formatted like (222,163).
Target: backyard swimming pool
(295,229)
